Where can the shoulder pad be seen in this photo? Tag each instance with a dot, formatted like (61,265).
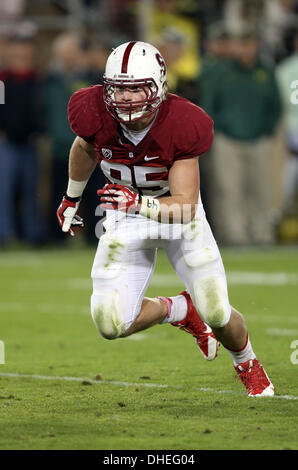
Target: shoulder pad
(85,109)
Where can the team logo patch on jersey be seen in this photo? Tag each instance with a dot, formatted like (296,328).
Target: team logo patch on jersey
(107,153)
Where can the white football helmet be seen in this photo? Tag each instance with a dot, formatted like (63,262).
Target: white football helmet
(134,64)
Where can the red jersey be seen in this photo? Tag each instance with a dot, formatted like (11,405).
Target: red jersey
(181,130)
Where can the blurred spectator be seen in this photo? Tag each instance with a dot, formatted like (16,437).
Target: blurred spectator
(69,71)
(279,16)
(10,13)
(3,46)
(122,16)
(218,47)
(236,13)
(272,18)
(96,54)
(209,12)
(217,43)
(287,75)
(178,38)
(171,45)
(12,9)
(245,105)
(20,123)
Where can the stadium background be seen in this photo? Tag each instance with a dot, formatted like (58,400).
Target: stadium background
(63,387)
(70,43)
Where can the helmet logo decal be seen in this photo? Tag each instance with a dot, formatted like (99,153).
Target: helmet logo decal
(163,69)
(126,56)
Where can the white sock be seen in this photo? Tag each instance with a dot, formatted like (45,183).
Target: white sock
(178,310)
(245,354)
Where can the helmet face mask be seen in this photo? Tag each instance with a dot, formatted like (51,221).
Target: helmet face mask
(133,110)
(141,69)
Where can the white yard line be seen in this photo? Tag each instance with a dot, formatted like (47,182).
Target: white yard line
(281,332)
(130,384)
(267,317)
(70,309)
(262,278)
(235,278)
(43,307)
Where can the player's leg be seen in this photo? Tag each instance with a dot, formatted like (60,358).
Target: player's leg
(197,261)
(121,274)
(152,312)
(233,335)
(182,314)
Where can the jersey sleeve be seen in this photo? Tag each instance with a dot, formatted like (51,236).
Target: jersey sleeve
(84,113)
(195,136)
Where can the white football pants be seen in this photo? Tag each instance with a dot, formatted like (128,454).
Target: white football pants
(125,261)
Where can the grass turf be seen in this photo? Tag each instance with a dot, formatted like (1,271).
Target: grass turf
(47,330)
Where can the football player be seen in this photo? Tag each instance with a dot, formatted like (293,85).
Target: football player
(147,143)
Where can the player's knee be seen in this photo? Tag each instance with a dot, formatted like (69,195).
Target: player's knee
(218,316)
(211,300)
(107,315)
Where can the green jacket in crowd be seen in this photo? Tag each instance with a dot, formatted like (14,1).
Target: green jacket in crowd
(244,103)
(58,89)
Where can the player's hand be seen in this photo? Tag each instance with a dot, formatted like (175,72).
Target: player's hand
(67,216)
(118,197)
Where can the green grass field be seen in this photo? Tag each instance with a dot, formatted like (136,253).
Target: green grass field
(153,390)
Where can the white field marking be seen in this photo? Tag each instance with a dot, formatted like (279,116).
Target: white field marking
(137,337)
(234,278)
(21,262)
(43,308)
(268,318)
(131,384)
(262,278)
(26,258)
(281,332)
(85,310)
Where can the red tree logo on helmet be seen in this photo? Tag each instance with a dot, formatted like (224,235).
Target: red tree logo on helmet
(163,68)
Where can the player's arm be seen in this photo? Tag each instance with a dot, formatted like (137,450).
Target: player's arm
(180,207)
(184,184)
(82,162)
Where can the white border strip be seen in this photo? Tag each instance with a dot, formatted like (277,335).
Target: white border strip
(130,384)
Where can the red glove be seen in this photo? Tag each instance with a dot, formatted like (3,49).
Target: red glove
(118,197)
(66,214)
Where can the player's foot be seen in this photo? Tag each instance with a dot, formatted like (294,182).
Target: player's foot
(255,379)
(194,325)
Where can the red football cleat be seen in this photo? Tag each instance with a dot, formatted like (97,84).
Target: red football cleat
(194,325)
(255,379)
